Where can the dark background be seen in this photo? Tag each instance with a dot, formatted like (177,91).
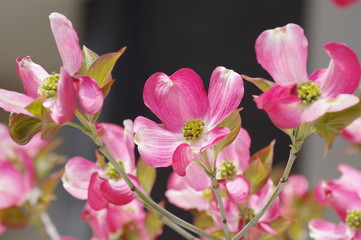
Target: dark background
(164,36)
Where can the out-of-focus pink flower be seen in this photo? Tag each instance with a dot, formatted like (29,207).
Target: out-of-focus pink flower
(114,220)
(231,163)
(102,185)
(189,116)
(344,3)
(295,189)
(17,169)
(298,98)
(59,92)
(344,196)
(352,132)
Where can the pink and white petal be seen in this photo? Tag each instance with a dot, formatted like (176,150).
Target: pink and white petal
(156,145)
(350,178)
(28,173)
(31,74)
(211,138)
(343,73)
(238,189)
(165,96)
(182,157)
(237,152)
(176,182)
(97,221)
(283,53)
(341,198)
(322,106)
(297,186)
(89,94)
(77,176)
(352,132)
(113,137)
(187,199)
(266,227)
(67,42)
(15,102)
(96,199)
(117,191)
(285,94)
(225,94)
(196,177)
(64,108)
(324,230)
(282,106)
(12,186)
(129,138)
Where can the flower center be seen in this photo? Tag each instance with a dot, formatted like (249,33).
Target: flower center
(207,194)
(192,129)
(111,172)
(49,86)
(353,218)
(248,215)
(308,91)
(227,170)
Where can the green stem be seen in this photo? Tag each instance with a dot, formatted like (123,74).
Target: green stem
(281,184)
(149,202)
(217,193)
(82,118)
(178,229)
(81,128)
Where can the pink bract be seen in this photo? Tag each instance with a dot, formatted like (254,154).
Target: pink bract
(344,196)
(114,219)
(283,53)
(84,179)
(69,86)
(352,132)
(178,99)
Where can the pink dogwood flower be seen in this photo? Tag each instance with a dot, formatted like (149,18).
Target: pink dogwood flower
(101,185)
(59,92)
(352,132)
(118,221)
(189,117)
(17,178)
(344,196)
(298,98)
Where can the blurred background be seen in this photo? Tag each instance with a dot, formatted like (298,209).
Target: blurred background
(164,36)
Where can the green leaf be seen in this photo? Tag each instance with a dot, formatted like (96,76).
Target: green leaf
(257,174)
(146,175)
(49,184)
(263,84)
(49,127)
(233,122)
(36,107)
(202,220)
(102,67)
(88,59)
(266,155)
(281,224)
(22,127)
(260,166)
(152,224)
(13,217)
(330,125)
